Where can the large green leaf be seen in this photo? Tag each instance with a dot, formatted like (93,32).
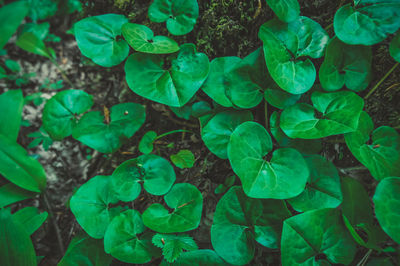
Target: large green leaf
(202,257)
(180,15)
(286,10)
(285,49)
(394,47)
(217,131)
(279,98)
(323,187)
(142,39)
(19,168)
(97,38)
(187,204)
(247,148)
(60,112)
(122,241)
(95,131)
(382,156)
(313,233)
(10,193)
(32,44)
(154,172)
(367,25)
(239,221)
(345,65)
(11,16)
(90,205)
(11,104)
(30,218)
(146,75)
(387,200)
(331,114)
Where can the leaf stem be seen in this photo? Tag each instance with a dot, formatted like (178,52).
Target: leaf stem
(364,260)
(62,72)
(54,223)
(382,80)
(266,113)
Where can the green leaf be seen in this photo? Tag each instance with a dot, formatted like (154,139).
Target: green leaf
(154,172)
(239,221)
(316,232)
(279,98)
(10,193)
(41,30)
(146,75)
(142,39)
(197,257)
(173,245)
(247,148)
(323,187)
(11,16)
(286,45)
(42,9)
(386,200)
(187,204)
(11,104)
(90,205)
(125,120)
(345,65)
(286,10)
(183,159)
(331,114)
(30,218)
(32,44)
(16,247)
(146,143)
(12,65)
(19,168)
(97,38)
(367,25)
(217,131)
(382,156)
(61,111)
(122,241)
(394,47)
(180,15)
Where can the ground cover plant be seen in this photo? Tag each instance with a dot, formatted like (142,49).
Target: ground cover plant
(187,156)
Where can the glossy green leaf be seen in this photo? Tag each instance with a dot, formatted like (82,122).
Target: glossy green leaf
(146,75)
(386,200)
(240,221)
(180,15)
(394,47)
(122,241)
(19,168)
(11,16)
(16,247)
(367,25)
(382,156)
(323,188)
(11,104)
(32,44)
(154,172)
(94,131)
(183,159)
(173,245)
(217,131)
(279,98)
(316,232)
(60,112)
(97,38)
(286,10)
(146,143)
(345,65)
(30,218)
(90,205)
(10,193)
(142,39)
(197,257)
(187,204)
(285,49)
(331,114)
(247,148)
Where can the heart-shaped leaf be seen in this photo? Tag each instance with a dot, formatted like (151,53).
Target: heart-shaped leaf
(386,200)
(174,86)
(59,113)
(122,241)
(313,233)
(217,131)
(394,47)
(247,148)
(107,134)
(187,202)
(347,65)
(331,114)
(154,172)
(285,49)
(142,39)
(198,257)
(180,15)
(90,205)
(286,10)
(97,38)
(279,98)
(382,156)
(11,16)
(323,187)
(367,25)
(11,104)
(240,221)
(183,159)
(146,143)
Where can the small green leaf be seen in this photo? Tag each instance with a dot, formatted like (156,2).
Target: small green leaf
(31,43)
(394,47)
(146,143)
(12,65)
(286,10)
(42,9)
(11,104)
(11,16)
(173,245)
(10,193)
(183,159)
(30,218)
(198,257)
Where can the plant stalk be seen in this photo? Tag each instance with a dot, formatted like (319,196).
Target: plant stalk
(382,80)
(54,223)
(364,260)
(63,75)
